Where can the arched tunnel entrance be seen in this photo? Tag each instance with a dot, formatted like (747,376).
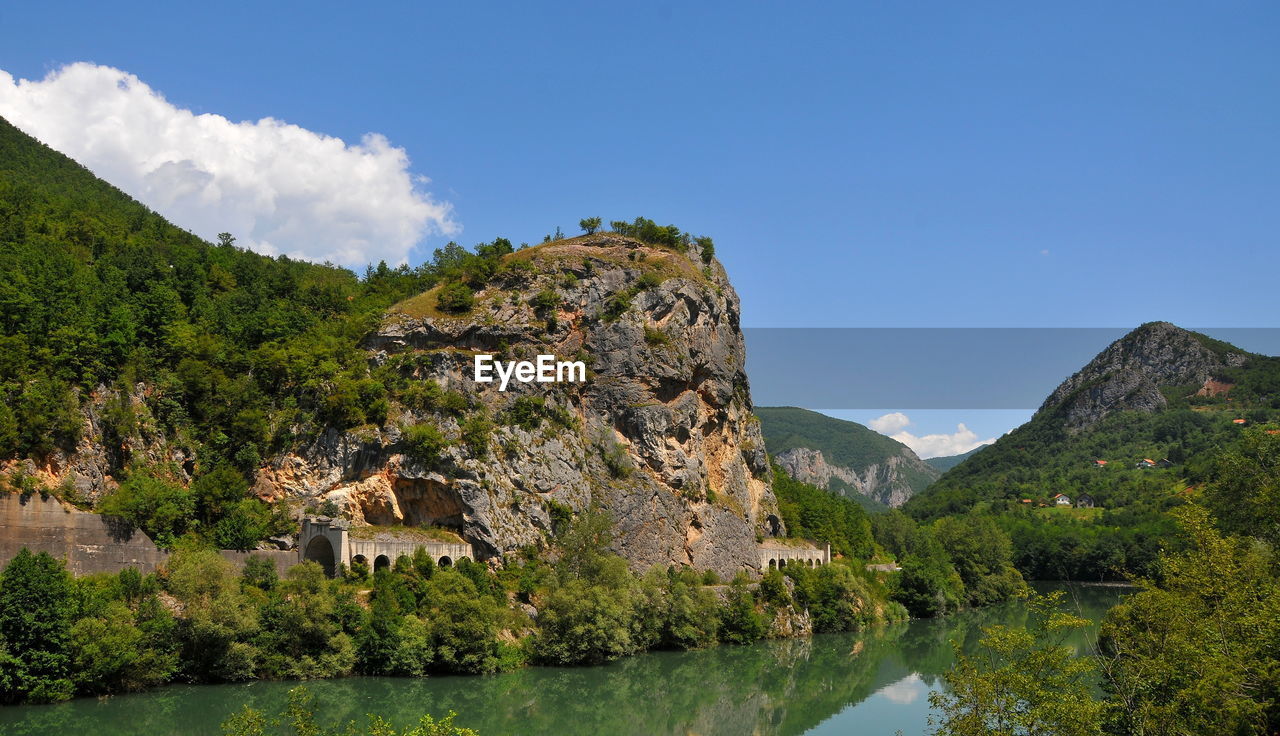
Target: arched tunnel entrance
(381,562)
(320,550)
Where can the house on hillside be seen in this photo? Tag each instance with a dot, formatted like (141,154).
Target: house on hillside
(1237,421)
(1146,462)
(1062,499)
(1099,463)
(1084,501)
(1165,463)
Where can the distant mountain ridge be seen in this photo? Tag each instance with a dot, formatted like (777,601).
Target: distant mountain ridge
(1161,392)
(843,457)
(947,462)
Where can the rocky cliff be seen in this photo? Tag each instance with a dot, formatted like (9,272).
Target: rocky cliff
(1130,373)
(661,434)
(843,457)
(886,481)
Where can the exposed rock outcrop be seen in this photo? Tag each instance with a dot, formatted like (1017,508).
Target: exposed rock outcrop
(1131,372)
(883,481)
(660,435)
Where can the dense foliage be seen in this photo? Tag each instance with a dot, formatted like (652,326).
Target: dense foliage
(200,620)
(811,513)
(952,563)
(1194,651)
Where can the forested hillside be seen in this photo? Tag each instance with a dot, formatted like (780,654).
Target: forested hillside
(1174,398)
(1136,431)
(97,291)
(843,457)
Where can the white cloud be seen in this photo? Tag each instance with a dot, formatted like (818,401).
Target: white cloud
(905,691)
(889,423)
(277,187)
(929,445)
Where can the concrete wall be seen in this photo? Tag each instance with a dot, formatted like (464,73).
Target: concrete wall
(284,559)
(89,543)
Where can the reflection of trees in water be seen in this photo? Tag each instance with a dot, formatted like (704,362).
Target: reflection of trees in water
(778,687)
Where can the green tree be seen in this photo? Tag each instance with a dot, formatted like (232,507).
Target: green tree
(741,622)
(455,298)
(1022,682)
(1198,649)
(589,225)
(582,623)
(159,508)
(1245,491)
(35,629)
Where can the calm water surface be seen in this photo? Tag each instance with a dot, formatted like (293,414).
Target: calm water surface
(875,682)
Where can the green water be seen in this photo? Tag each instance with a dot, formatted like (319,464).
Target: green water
(874,682)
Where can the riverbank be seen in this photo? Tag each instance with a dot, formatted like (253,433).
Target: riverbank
(876,681)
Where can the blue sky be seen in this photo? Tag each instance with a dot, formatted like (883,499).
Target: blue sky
(859,164)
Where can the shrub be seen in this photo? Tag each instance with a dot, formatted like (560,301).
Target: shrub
(655,337)
(617,306)
(423,443)
(647,281)
(157,507)
(582,623)
(455,298)
(589,224)
(476,431)
(545,299)
(706,248)
(35,626)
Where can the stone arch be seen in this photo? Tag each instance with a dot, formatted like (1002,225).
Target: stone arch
(360,559)
(810,563)
(381,562)
(773,564)
(445,561)
(320,550)
(464,559)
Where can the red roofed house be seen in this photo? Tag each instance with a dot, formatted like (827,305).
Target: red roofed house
(1062,499)
(1099,463)
(1146,462)
(1237,421)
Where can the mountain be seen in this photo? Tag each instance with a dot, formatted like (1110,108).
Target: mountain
(947,462)
(1160,393)
(144,368)
(843,457)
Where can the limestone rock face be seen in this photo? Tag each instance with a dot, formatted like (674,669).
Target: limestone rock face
(660,436)
(1129,374)
(884,481)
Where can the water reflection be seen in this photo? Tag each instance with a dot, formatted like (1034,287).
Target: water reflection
(873,682)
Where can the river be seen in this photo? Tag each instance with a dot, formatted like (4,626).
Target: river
(875,682)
